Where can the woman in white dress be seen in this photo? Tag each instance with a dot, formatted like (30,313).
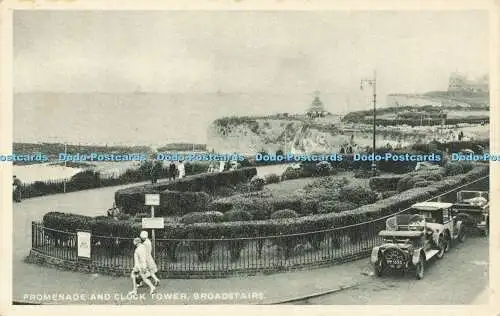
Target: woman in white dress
(150,262)
(140,267)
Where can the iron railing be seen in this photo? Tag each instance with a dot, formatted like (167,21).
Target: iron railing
(226,255)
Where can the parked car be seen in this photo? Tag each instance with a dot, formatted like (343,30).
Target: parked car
(473,208)
(410,240)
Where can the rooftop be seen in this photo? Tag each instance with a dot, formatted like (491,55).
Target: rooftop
(431,206)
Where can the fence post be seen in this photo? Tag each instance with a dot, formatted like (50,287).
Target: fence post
(33,232)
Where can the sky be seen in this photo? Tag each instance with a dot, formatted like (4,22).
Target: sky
(245,52)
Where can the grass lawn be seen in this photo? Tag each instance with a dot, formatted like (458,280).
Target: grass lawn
(288,187)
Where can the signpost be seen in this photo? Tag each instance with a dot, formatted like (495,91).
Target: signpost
(152,222)
(83,241)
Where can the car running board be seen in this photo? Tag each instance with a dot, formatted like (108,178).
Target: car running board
(431,253)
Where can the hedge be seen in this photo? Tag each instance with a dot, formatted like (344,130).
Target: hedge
(336,207)
(271,227)
(284,213)
(181,196)
(315,222)
(384,183)
(200,217)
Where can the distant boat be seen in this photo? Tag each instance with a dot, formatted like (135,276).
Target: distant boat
(138,90)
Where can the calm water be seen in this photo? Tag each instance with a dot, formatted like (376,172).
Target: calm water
(149,119)
(46,172)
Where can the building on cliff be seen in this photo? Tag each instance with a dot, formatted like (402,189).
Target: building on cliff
(458,82)
(317,108)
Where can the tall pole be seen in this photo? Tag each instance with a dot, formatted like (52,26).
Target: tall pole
(153,237)
(65,154)
(373,83)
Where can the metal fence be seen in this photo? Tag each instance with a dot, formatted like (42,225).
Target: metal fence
(270,253)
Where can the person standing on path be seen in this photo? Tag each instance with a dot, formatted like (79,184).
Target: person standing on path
(172,171)
(150,261)
(182,169)
(140,267)
(16,186)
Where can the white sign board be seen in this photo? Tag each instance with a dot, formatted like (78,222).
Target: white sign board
(83,239)
(152,199)
(153,223)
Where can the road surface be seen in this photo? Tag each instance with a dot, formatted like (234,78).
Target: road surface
(459,278)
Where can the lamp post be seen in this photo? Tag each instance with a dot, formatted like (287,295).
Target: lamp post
(65,154)
(372,82)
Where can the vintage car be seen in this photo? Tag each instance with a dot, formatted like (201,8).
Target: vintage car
(472,208)
(410,240)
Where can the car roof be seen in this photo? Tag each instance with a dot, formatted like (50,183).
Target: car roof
(400,233)
(431,206)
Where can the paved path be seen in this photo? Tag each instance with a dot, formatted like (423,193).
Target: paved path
(459,278)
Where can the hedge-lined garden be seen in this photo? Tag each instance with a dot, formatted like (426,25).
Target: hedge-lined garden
(260,214)
(181,196)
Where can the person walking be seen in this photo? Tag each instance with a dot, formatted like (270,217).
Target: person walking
(16,189)
(172,171)
(211,168)
(150,261)
(182,169)
(140,269)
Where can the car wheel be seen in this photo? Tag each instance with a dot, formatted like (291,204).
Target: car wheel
(486,231)
(442,247)
(462,234)
(447,243)
(419,269)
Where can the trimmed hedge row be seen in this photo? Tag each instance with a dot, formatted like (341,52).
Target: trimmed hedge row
(217,229)
(70,222)
(385,183)
(181,196)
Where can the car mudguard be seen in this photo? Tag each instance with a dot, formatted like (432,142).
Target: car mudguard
(415,258)
(374,255)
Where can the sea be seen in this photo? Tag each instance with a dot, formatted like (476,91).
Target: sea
(152,119)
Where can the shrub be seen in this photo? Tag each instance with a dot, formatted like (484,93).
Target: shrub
(403,183)
(323,168)
(335,207)
(387,194)
(357,194)
(291,173)
(363,174)
(272,178)
(200,217)
(257,183)
(421,184)
(453,168)
(86,180)
(237,216)
(284,214)
(384,183)
(220,205)
(259,214)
